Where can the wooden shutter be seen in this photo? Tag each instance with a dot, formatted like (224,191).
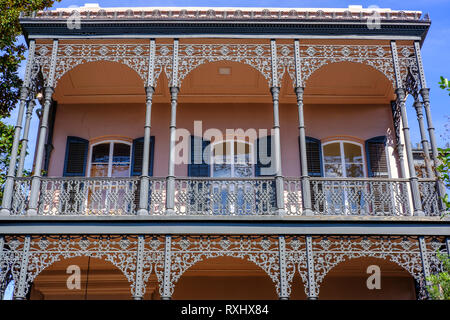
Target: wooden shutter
(76,157)
(313,156)
(263,149)
(198,166)
(138,154)
(376,157)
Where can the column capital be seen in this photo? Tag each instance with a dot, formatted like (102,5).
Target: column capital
(174,90)
(400,92)
(418,106)
(149,90)
(275,92)
(24,92)
(299,90)
(425,93)
(48,92)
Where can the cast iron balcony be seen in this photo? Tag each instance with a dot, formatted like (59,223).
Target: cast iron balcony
(226,197)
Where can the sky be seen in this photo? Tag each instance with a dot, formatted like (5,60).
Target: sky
(435,51)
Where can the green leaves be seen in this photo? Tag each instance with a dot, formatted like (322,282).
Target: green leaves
(440,282)
(443,84)
(11,52)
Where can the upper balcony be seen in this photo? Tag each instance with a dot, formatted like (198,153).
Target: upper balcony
(352,143)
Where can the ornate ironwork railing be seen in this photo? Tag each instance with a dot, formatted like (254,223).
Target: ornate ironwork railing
(88,196)
(209,196)
(21,195)
(226,196)
(354,196)
(429,196)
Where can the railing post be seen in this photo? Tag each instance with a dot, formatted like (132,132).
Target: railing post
(139,282)
(425,263)
(149,90)
(167,267)
(26,130)
(170,186)
(425,93)
(312,295)
(306,185)
(21,291)
(275,90)
(406,135)
(24,91)
(282,261)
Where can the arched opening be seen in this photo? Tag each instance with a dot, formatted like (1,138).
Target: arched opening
(225,278)
(368,279)
(80,278)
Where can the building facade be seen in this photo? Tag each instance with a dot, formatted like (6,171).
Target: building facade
(222,153)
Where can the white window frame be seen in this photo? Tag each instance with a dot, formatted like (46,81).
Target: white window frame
(341,148)
(252,156)
(111,152)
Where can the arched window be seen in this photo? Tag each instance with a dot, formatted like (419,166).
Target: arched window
(232,158)
(110,159)
(343,159)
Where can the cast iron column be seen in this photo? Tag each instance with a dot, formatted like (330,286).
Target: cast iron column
(170,187)
(24,91)
(36,179)
(275,90)
(413,181)
(149,90)
(306,186)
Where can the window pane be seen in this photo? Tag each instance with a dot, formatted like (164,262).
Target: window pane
(222,170)
(99,170)
(354,170)
(121,153)
(243,170)
(333,170)
(352,153)
(332,153)
(100,153)
(120,170)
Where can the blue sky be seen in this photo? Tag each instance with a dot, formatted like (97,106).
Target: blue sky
(435,50)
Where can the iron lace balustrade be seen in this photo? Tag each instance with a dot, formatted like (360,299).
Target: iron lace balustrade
(88,196)
(359,196)
(431,204)
(226,196)
(21,196)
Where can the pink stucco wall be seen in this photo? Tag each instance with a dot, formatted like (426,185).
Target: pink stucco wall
(356,122)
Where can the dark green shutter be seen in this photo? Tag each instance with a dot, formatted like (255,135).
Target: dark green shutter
(313,156)
(198,167)
(377,165)
(263,149)
(138,154)
(76,157)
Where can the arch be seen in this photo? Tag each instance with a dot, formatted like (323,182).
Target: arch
(229,273)
(70,55)
(186,252)
(191,56)
(329,252)
(314,57)
(46,250)
(355,273)
(94,273)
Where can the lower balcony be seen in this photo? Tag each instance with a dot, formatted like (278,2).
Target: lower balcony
(226,197)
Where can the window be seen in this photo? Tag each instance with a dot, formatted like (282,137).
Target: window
(110,159)
(232,159)
(343,159)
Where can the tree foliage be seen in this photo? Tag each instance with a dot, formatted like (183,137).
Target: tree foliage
(11,51)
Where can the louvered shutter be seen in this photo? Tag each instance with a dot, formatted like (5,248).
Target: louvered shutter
(76,157)
(263,165)
(376,157)
(138,154)
(198,166)
(313,156)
